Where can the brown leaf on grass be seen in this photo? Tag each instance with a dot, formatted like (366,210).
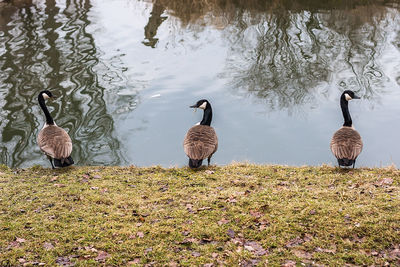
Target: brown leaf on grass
(231,233)
(64,261)
(140,234)
(94,188)
(289,263)
(196,254)
(231,199)
(302,254)
(185,233)
(102,256)
(189,241)
(249,263)
(384,181)
(59,185)
(54,179)
(204,208)
(13,244)
(325,250)
(255,248)
(256,214)
(96,176)
(294,242)
(223,221)
(20,240)
(48,246)
(148,250)
(135,261)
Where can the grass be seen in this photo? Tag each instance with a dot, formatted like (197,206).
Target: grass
(234,215)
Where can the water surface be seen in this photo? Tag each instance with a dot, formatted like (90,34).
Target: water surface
(126,72)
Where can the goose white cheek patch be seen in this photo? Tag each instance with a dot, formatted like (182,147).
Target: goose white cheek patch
(347,97)
(203,106)
(45,96)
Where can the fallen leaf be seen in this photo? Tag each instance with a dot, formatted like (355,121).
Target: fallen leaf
(231,233)
(223,221)
(140,234)
(209,172)
(302,254)
(255,248)
(59,185)
(64,261)
(196,254)
(102,256)
(20,240)
(295,242)
(289,263)
(135,261)
(255,214)
(384,181)
(96,176)
(54,179)
(203,208)
(94,188)
(324,250)
(48,246)
(147,250)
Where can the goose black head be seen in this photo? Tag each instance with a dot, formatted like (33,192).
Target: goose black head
(203,104)
(349,95)
(46,94)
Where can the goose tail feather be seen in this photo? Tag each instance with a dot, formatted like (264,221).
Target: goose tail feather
(63,162)
(195,163)
(346,162)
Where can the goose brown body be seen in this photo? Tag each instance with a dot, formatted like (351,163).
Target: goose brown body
(346,143)
(200,142)
(55,142)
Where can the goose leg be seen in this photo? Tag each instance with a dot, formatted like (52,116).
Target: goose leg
(354,163)
(208,161)
(51,162)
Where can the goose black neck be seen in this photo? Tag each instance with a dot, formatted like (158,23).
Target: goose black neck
(344,104)
(207,116)
(49,119)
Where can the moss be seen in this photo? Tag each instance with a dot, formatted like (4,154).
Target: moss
(236,214)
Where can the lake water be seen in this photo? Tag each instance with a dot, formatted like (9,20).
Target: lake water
(126,73)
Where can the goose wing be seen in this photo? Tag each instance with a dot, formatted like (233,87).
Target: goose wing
(200,142)
(55,142)
(346,143)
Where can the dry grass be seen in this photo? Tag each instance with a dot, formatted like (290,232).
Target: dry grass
(233,215)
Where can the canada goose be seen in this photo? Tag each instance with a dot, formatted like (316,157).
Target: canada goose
(54,141)
(346,143)
(201,140)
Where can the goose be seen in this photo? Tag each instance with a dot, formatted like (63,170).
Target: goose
(53,141)
(201,140)
(346,143)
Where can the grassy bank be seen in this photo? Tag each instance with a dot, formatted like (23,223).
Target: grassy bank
(234,215)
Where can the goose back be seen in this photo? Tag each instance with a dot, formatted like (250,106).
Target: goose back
(346,143)
(55,142)
(200,142)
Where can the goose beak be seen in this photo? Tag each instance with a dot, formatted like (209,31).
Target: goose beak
(356,97)
(195,108)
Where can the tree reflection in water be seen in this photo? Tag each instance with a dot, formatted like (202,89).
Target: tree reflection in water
(48,47)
